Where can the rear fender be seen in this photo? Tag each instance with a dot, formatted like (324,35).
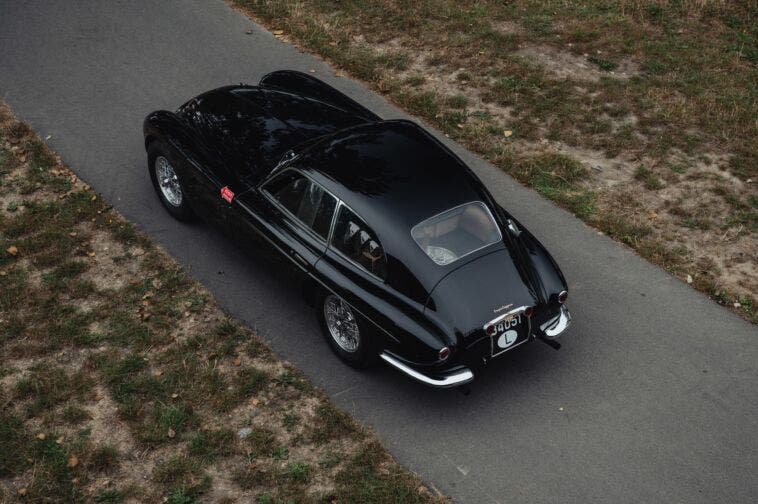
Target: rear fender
(542,262)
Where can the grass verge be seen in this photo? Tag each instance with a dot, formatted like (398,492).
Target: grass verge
(122,381)
(648,107)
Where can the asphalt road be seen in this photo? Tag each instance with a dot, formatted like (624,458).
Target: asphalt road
(653,398)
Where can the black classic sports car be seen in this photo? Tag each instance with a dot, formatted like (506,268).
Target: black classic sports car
(400,248)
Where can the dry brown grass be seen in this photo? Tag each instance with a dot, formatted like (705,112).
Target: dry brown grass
(655,100)
(122,381)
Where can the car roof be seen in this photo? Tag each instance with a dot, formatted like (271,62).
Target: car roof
(392,173)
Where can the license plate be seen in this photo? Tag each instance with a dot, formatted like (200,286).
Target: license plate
(507,334)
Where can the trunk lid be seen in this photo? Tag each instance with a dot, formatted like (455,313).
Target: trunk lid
(478,292)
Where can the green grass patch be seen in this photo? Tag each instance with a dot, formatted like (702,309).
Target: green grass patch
(648,178)
(15,444)
(331,423)
(47,387)
(208,445)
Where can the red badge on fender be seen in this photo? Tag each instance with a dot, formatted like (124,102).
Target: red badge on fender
(227,194)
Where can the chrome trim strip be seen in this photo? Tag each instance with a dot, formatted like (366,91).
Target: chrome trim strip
(508,314)
(453,380)
(553,328)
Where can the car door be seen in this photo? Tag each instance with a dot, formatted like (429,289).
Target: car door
(291,212)
(210,117)
(357,259)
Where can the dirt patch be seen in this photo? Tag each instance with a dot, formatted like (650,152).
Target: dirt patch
(106,271)
(629,108)
(122,381)
(567,65)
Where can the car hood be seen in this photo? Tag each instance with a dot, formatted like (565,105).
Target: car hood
(477,292)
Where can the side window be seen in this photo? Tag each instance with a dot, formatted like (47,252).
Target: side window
(359,243)
(304,199)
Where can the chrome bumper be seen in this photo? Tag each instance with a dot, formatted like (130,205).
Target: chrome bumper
(554,327)
(459,377)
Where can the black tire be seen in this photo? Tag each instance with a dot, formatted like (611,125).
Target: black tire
(157,152)
(366,352)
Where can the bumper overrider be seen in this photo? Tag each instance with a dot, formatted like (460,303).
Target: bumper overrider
(549,330)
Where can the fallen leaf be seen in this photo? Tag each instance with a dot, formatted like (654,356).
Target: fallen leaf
(93,198)
(73,461)
(237,361)
(41,436)
(59,440)
(138,252)
(737,305)
(99,396)
(22,491)
(72,233)
(255,402)
(91,253)
(171,433)
(507,133)
(12,250)
(689,279)
(459,126)
(174,395)
(277,32)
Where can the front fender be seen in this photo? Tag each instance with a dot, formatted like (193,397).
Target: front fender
(165,126)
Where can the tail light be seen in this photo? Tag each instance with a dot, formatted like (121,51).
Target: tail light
(563,296)
(444,353)
(529,311)
(490,330)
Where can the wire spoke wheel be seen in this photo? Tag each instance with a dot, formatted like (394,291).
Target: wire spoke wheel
(168,181)
(342,324)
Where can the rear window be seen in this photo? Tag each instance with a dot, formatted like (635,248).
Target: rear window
(457,232)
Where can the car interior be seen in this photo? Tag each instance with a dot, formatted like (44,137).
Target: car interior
(452,234)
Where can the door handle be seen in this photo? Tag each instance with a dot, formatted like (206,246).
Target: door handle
(300,259)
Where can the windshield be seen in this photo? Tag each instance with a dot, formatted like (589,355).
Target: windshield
(448,236)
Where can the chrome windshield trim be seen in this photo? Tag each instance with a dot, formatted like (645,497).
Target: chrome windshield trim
(554,327)
(455,379)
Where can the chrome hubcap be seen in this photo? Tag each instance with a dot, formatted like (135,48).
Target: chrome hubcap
(343,327)
(168,181)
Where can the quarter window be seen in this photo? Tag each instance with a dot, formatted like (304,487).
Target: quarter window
(305,200)
(359,243)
